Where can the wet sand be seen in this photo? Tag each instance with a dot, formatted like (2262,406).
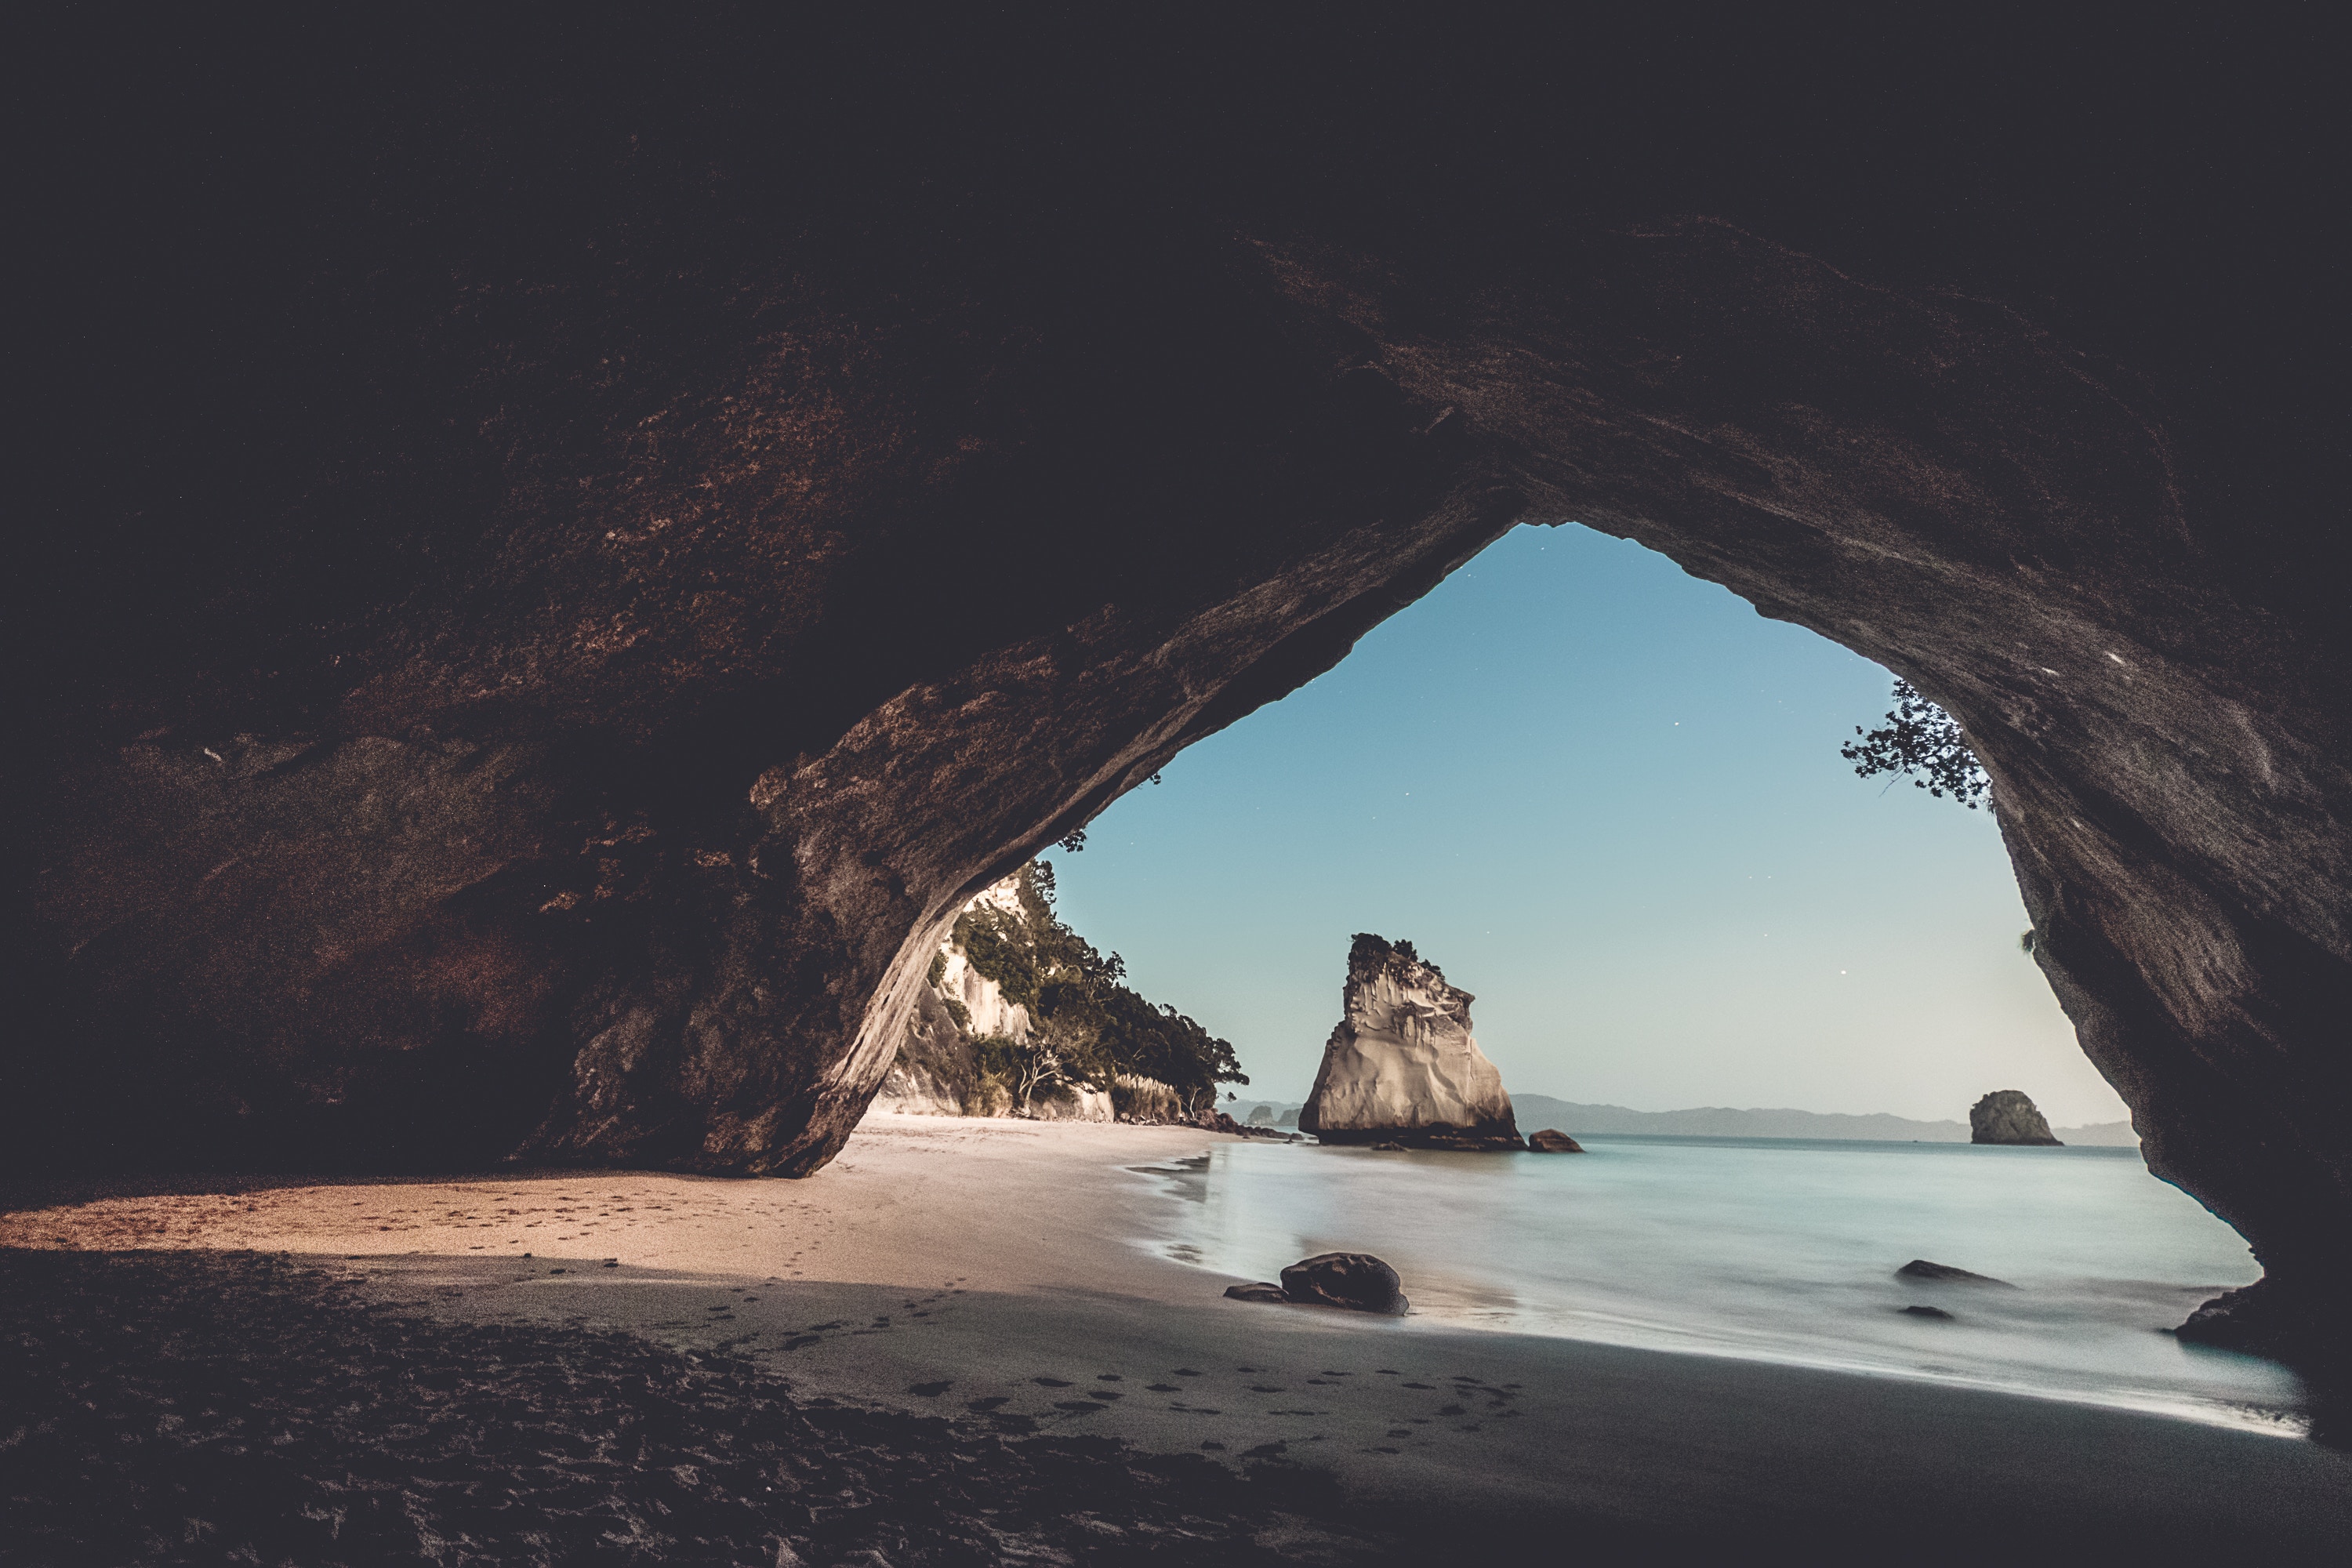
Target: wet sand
(985,1272)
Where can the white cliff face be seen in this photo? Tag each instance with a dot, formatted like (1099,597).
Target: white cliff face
(1402,1061)
(982,997)
(935,1074)
(1003,895)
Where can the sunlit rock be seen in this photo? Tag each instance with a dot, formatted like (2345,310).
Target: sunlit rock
(936,1071)
(1402,1066)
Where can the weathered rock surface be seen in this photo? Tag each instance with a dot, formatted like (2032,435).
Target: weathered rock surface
(1551,1141)
(1920,1269)
(935,1071)
(1356,1280)
(1261,1291)
(537,594)
(2007,1116)
(1400,1065)
(2262,1319)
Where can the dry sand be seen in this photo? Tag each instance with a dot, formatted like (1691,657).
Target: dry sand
(988,1271)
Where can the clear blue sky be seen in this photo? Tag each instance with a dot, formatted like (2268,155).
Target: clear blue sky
(1605,797)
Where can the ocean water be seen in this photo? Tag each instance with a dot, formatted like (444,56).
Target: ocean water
(1774,1249)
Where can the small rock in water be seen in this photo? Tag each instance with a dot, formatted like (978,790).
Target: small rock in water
(1388,1148)
(1263,1290)
(1551,1141)
(1945,1274)
(1356,1280)
(2008,1116)
(1924,1313)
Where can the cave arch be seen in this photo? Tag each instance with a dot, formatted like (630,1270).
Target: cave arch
(567,737)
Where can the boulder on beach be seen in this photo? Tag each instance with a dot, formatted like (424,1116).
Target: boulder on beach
(1906,1312)
(1920,1270)
(1257,1291)
(1356,1280)
(2007,1116)
(1552,1140)
(1402,1065)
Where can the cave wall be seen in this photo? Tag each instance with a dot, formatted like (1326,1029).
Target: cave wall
(556,573)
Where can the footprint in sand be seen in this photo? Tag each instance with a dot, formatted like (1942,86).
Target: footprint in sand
(928,1390)
(1161,1388)
(1052,1381)
(1183,1372)
(989,1406)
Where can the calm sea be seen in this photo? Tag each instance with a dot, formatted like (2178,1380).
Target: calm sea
(1775,1250)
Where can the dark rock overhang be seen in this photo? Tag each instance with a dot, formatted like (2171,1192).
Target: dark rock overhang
(550,568)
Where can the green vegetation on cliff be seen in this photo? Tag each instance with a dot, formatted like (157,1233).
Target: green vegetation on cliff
(1090,1025)
(1922,742)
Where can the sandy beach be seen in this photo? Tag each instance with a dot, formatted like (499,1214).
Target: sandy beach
(989,1272)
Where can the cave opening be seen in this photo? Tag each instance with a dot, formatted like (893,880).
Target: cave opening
(1613,792)
(1607,797)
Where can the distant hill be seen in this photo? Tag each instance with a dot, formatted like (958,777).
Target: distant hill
(1537,1111)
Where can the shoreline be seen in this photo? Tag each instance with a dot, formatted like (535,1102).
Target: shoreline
(1447,1287)
(998,1273)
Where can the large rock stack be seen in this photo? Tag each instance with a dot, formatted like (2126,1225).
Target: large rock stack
(1402,1066)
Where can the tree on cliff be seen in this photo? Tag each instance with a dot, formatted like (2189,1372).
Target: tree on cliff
(1921,740)
(1090,1025)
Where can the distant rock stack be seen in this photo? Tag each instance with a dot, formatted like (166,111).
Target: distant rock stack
(1402,1066)
(2007,1116)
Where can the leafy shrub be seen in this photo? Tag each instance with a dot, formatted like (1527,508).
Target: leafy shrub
(1921,740)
